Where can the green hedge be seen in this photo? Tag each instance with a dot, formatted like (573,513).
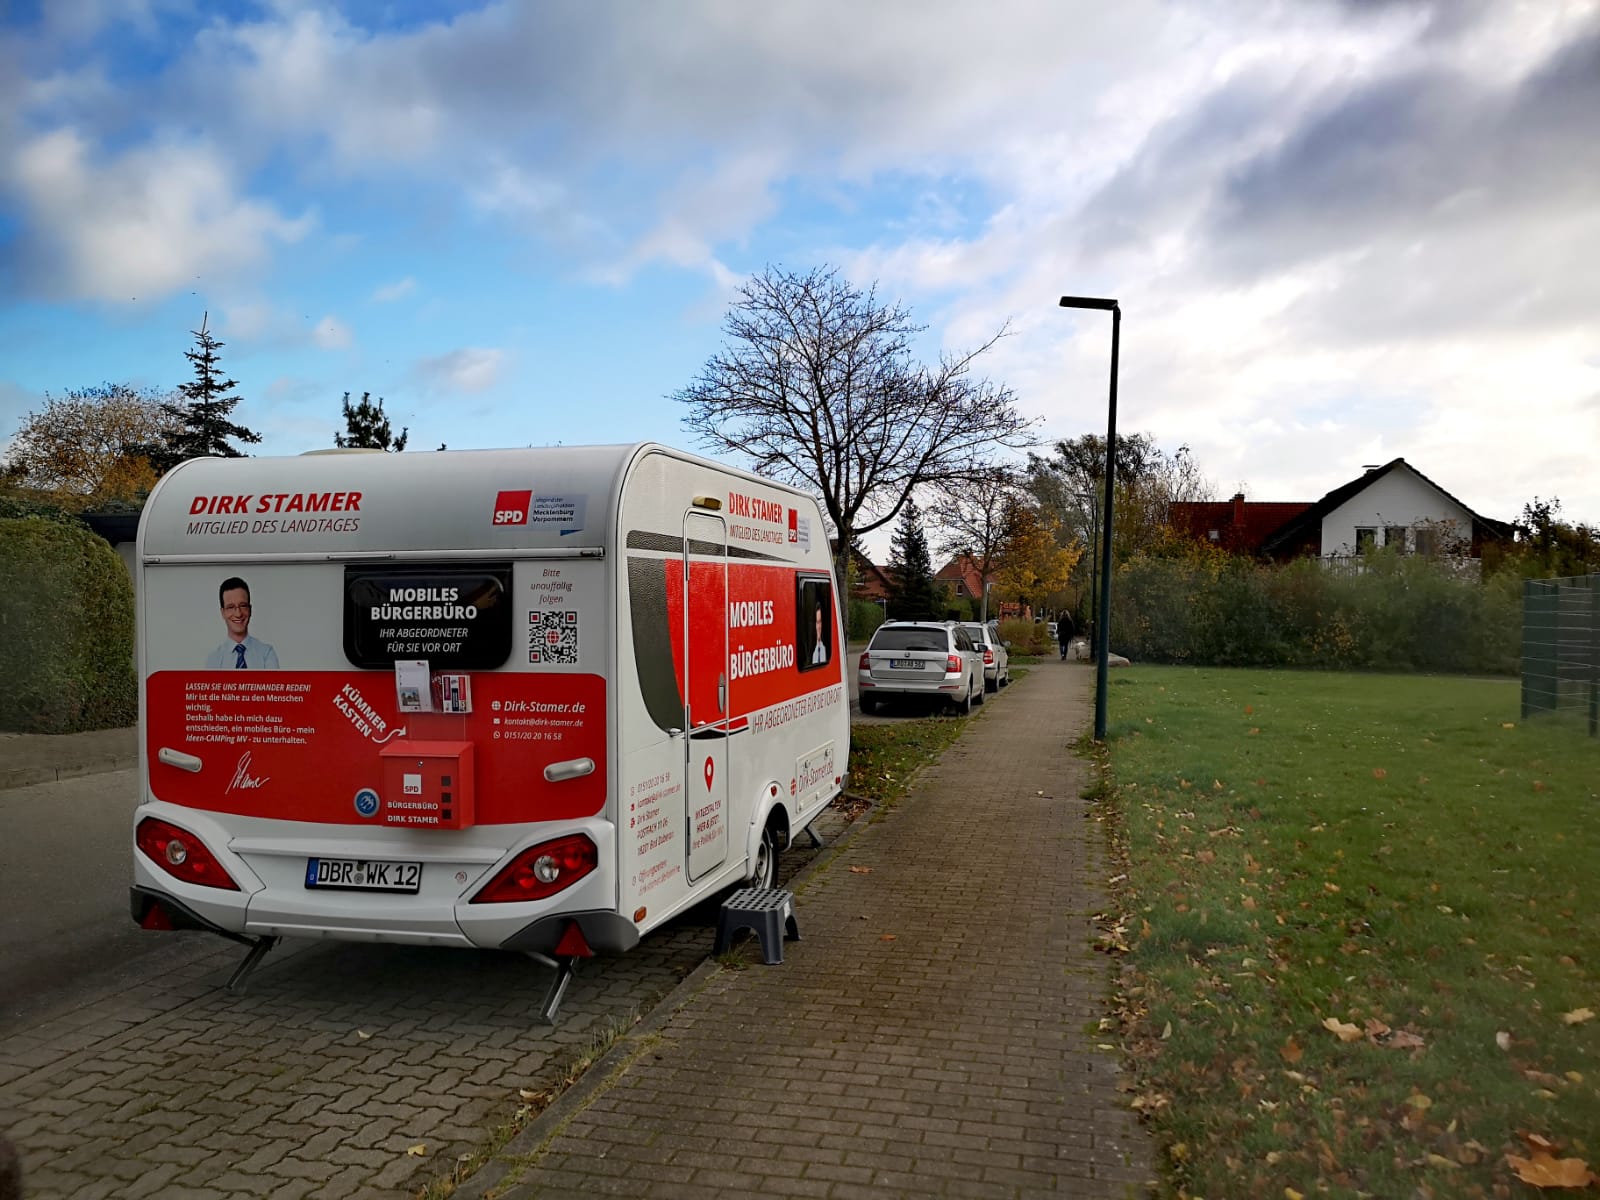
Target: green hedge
(66,630)
(1395,613)
(864,618)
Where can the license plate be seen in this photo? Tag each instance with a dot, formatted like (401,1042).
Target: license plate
(906,664)
(363,875)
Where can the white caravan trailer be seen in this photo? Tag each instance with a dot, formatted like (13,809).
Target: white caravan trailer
(536,700)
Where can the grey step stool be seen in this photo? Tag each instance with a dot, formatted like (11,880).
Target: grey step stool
(767,911)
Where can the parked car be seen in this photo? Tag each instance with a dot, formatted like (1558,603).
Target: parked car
(921,658)
(996,658)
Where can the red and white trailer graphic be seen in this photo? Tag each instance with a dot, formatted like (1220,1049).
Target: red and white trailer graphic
(538,700)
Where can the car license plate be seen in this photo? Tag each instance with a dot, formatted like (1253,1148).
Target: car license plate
(906,664)
(363,875)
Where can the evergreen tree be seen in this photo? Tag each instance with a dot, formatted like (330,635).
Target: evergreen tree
(201,427)
(913,595)
(367,426)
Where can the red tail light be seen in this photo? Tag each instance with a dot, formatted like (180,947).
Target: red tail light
(541,871)
(180,854)
(952,665)
(866,660)
(988,658)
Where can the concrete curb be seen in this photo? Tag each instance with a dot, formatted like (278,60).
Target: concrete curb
(622,1053)
(20,777)
(27,759)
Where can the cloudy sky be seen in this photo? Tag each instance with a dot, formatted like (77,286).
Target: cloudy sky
(1340,232)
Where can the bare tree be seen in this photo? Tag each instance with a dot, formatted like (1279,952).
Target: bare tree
(818,387)
(971,514)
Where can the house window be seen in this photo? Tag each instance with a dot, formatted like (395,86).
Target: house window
(1427,542)
(1215,535)
(1395,535)
(1366,538)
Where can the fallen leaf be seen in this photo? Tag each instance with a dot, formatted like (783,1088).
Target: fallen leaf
(888,937)
(1379,773)
(861,870)
(1166,1032)
(1207,856)
(1503,1040)
(1376,1029)
(1543,1170)
(1291,1051)
(528,1095)
(363,1034)
(1344,1031)
(1577,1016)
(1508,724)
(417,1151)
(1290,1194)
(1402,1040)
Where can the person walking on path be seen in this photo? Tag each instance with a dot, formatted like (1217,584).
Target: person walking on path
(928,1032)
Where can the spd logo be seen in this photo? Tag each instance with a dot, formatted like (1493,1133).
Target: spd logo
(511,508)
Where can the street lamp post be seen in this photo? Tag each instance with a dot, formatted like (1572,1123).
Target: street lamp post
(1102,626)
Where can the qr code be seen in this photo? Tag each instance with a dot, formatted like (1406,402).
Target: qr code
(553,638)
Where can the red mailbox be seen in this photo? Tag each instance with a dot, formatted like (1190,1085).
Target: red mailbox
(427,785)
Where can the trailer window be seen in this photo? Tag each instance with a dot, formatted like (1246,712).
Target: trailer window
(814,619)
(452,614)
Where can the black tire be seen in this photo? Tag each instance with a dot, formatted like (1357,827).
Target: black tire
(987,687)
(964,705)
(869,704)
(983,690)
(765,873)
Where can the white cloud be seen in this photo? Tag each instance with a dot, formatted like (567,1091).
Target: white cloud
(471,369)
(330,333)
(140,225)
(398,290)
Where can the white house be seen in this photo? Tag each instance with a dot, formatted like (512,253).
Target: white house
(1391,505)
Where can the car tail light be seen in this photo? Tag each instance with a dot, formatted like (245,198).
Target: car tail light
(180,854)
(988,658)
(541,871)
(952,665)
(866,660)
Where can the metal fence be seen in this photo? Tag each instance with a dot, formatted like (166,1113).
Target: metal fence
(1561,647)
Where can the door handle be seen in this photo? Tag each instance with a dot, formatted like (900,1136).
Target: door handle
(177,758)
(722,692)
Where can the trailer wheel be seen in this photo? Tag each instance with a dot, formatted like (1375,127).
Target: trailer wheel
(766,872)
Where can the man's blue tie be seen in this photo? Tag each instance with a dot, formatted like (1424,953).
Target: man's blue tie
(239,657)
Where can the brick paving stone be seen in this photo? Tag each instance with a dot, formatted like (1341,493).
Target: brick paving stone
(172,1087)
(935,1048)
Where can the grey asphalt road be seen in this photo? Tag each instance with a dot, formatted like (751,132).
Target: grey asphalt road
(64,879)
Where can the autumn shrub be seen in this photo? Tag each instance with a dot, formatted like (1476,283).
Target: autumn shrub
(66,630)
(1028,637)
(1393,612)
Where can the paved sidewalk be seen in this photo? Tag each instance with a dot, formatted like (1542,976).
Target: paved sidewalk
(933,1034)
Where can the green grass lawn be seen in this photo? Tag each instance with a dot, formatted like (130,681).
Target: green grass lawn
(1401,856)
